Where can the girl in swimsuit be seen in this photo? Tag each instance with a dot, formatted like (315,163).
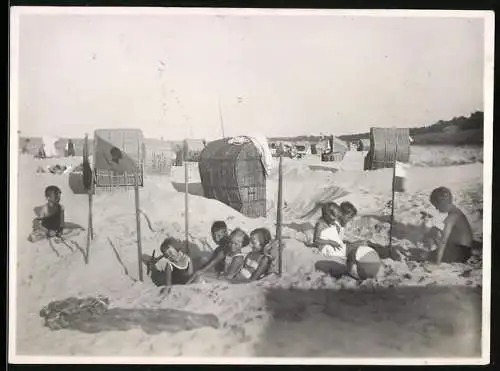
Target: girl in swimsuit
(257,262)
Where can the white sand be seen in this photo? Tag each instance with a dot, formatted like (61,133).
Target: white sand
(305,313)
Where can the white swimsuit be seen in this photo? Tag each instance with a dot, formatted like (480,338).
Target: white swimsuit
(332,233)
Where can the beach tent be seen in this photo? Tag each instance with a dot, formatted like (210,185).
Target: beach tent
(158,156)
(338,145)
(386,146)
(195,146)
(117,157)
(364,145)
(234,171)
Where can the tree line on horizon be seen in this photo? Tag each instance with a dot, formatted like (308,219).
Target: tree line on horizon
(463,130)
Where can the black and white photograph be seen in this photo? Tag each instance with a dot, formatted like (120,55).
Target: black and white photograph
(256,186)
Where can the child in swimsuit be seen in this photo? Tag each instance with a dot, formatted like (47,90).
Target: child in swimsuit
(172,267)
(50,222)
(216,262)
(454,243)
(257,262)
(328,231)
(238,239)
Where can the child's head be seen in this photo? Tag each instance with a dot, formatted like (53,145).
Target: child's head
(259,238)
(237,240)
(166,244)
(219,231)
(441,199)
(331,212)
(53,194)
(349,211)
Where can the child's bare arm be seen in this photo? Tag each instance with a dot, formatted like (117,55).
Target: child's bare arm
(448,227)
(168,275)
(235,267)
(62,218)
(317,230)
(217,256)
(261,269)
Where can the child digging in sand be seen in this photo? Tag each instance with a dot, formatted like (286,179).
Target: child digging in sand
(454,243)
(229,254)
(172,267)
(50,221)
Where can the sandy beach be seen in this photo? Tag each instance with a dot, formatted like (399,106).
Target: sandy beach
(408,310)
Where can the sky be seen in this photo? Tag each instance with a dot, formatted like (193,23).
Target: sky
(176,76)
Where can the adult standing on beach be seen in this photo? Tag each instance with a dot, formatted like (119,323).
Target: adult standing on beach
(71,148)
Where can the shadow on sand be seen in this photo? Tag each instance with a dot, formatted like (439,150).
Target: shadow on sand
(381,322)
(194,189)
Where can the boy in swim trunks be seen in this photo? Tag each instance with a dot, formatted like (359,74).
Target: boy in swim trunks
(454,244)
(216,262)
(50,221)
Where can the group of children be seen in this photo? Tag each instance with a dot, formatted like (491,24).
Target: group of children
(227,262)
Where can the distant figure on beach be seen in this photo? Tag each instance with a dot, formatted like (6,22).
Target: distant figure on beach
(172,267)
(227,258)
(71,148)
(25,150)
(50,221)
(256,263)
(41,152)
(454,243)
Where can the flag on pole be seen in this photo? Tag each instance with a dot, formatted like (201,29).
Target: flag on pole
(400,173)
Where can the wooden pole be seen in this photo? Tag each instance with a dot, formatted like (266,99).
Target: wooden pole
(393,194)
(186,194)
(279,216)
(138,221)
(90,190)
(220,117)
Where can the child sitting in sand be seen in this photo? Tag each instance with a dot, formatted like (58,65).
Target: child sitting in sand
(216,261)
(50,220)
(172,267)
(454,243)
(328,231)
(257,262)
(229,254)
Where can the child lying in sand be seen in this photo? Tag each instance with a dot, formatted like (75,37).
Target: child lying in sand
(454,243)
(172,267)
(231,255)
(257,262)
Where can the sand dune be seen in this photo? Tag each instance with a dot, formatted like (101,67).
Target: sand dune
(305,313)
